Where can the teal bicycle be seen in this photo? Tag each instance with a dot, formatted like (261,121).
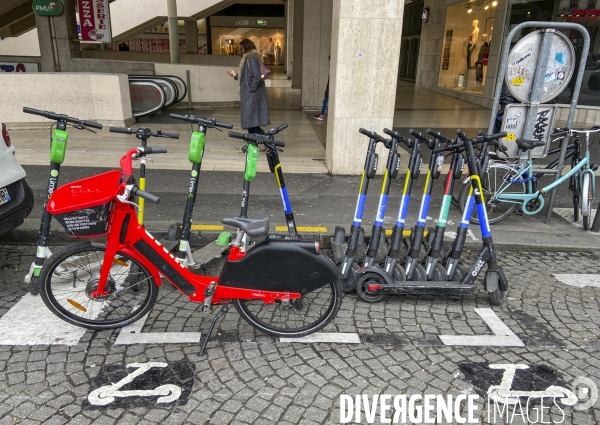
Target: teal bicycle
(509,186)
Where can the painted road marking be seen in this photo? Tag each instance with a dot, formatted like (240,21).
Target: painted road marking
(312,229)
(452,235)
(567,214)
(29,322)
(337,337)
(406,233)
(132,334)
(579,280)
(207,227)
(503,336)
(108,393)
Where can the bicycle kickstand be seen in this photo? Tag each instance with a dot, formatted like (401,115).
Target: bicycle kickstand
(224,309)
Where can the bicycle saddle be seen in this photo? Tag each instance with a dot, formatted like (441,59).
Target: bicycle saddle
(253,226)
(527,144)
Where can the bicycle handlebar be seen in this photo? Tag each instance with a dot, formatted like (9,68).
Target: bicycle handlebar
(122,130)
(136,191)
(61,117)
(257,138)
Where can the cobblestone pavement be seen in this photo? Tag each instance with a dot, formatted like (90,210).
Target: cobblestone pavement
(249,377)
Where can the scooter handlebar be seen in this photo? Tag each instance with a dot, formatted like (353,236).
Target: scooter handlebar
(462,135)
(164,134)
(61,117)
(278,129)
(122,130)
(236,135)
(367,133)
(392,133)
(156,150)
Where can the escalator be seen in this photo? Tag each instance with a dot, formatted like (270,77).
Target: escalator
(150,94)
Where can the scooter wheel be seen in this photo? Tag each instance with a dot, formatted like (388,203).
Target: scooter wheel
(459,273)
(439,274)
(34,286)
(493,287)
(349,284)
(363,283)
(419,274)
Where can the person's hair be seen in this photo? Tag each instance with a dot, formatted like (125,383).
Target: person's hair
(246,45)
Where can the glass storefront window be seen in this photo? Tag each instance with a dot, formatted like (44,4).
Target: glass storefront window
(269,41)
(466,45)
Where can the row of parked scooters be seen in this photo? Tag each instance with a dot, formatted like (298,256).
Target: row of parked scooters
(372,271)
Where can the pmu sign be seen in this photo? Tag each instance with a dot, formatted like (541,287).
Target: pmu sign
(94,20)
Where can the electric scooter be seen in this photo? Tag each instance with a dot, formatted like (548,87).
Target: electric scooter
(348,266)
(373,284)
(452,258)
(377,246)
(455,272)
(391,264)
(58,149)
(435,272)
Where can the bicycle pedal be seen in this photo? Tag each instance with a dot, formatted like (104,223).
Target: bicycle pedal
(208,296)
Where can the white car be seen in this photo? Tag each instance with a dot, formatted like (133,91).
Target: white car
(16,197)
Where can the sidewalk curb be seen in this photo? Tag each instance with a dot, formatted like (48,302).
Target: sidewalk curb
(27,234)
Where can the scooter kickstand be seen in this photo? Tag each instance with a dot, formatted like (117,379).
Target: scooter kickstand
(224,309)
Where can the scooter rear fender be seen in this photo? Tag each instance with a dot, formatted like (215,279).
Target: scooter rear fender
(374,269)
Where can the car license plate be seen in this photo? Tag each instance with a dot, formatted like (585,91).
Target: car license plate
(4,196)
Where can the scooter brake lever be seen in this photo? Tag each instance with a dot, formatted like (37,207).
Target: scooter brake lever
(82,127)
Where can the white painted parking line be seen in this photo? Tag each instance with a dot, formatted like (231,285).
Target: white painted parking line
(29,322)
(132,334)
(333,337)
(579,280)
(503,336)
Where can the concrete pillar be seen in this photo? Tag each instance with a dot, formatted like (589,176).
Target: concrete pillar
(173,30)
(364,70)
(298,43)
(289,37)
(316,48)
(191,36)
(59,42)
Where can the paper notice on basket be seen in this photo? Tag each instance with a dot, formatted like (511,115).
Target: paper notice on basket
(86,222)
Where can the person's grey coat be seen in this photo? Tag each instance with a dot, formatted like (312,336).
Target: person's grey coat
(253,96)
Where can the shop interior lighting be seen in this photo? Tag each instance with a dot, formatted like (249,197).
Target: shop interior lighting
(494,3)
(486,7)
(470,10)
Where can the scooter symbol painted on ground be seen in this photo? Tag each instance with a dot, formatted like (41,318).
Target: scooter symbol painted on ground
(503,394)
(107,393)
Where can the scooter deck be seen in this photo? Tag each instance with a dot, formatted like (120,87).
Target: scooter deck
(427,287)
(207,253)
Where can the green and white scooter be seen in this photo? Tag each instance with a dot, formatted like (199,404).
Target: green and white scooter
(58,149)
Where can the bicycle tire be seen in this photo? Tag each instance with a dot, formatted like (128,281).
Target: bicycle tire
(586,198)
(324,317)
(74,259)
(494,180)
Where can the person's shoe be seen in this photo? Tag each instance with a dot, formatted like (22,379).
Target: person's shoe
(318,117)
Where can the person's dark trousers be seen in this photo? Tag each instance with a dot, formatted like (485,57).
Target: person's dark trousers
(324,108)
(256,130)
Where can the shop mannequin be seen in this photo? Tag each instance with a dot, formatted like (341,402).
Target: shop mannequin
(472,42)
(484,51)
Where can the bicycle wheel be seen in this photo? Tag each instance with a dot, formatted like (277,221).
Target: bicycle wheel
(496,179)
(67,294)
(303,316)
(586,201)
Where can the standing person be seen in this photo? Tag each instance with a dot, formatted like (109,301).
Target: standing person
(271,54)
(326,98)
(254,108)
